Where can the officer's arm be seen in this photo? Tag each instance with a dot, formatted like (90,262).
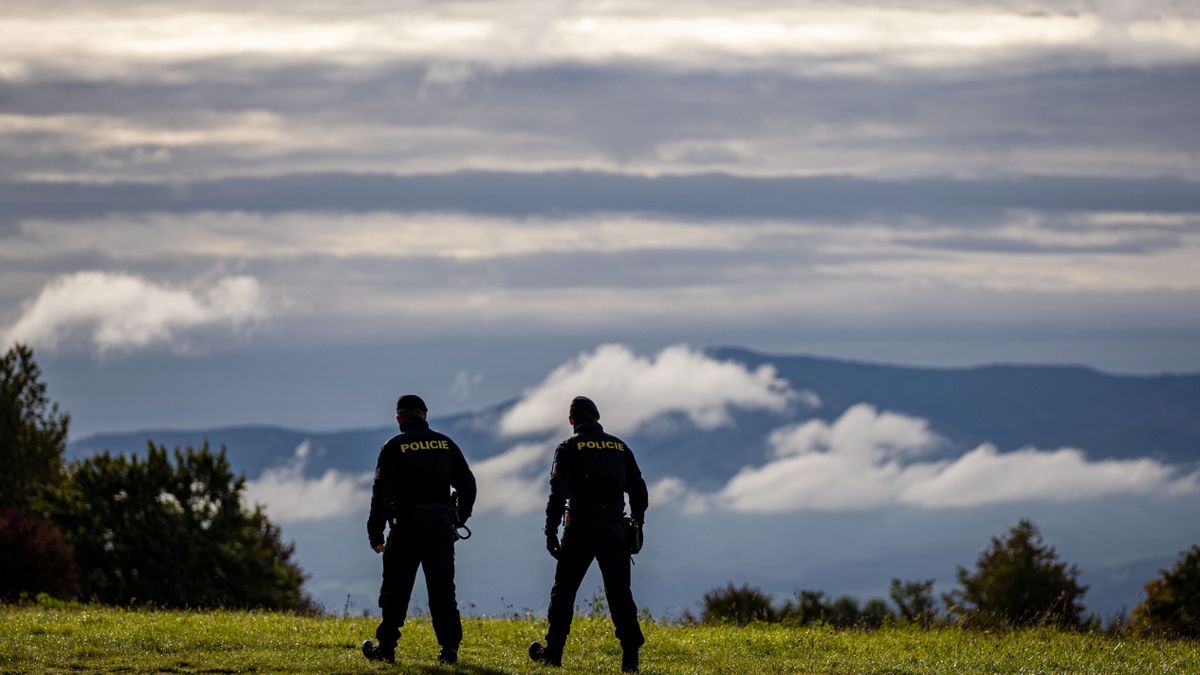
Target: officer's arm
(380,498)
(560,474)
(635,485)
(463,481)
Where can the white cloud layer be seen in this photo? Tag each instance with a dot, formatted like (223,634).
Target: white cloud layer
(515,481)
(123,311)
(868,459)
(106,40)
(289,497)
(632,390)
(382,234)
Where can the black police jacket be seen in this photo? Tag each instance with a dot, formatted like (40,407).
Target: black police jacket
(591,473)
(417,468)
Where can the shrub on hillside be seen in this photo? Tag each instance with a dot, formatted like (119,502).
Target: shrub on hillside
(811,606)
(737,605)
(1172,604)
(875,613)
(807,607)
(1019,581)
(33,558)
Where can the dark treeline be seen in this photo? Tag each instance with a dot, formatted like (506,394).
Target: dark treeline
(1017,581)
(167,530)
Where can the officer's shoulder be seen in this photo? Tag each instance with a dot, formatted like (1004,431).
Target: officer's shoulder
(392,441)
(439,436)
(609,437)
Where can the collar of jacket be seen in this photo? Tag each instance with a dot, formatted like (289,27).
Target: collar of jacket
(413,424)
(588,428)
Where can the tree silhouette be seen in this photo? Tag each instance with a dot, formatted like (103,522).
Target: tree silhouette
(33,432)
(1018,581)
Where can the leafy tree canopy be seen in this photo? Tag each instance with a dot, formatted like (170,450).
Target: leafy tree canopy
(1019,580)
(1172,604)
(171,530)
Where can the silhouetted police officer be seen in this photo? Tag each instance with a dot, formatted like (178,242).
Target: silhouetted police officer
(591,473)
(411,493)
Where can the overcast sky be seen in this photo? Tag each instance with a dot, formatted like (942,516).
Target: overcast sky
(298,209)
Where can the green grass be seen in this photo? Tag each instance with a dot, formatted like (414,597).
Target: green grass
(91,639)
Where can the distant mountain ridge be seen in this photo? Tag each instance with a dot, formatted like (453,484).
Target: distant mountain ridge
(1048,406)
(1012,406)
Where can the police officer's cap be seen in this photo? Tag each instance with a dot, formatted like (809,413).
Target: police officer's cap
(585,405)
(411,402)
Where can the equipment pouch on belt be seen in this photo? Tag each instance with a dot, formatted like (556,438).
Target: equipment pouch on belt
(633,535)
(455,521)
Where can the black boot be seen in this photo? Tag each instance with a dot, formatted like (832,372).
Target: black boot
(550,655)
(379,652)
(449,656)
(629,660)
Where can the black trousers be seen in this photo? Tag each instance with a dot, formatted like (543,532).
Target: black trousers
(427,541)
(603,541)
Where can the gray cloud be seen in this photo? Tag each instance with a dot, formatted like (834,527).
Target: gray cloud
(703,196)
(237,117)
(927,168)
(1132,244)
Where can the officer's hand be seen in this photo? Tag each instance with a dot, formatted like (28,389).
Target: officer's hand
(552,544)
(380,548)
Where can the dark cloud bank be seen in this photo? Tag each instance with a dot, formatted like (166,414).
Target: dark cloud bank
(703,196)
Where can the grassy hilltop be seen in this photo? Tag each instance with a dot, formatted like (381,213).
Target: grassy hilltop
(94,639)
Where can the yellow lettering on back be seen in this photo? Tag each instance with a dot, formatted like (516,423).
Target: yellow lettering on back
(424,445)
(600,445)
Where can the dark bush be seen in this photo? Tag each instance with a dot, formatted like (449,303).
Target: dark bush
(1172,604)
(737,605)
(875,613)
(33,558)
(807,607)
(844,612)
(810,607)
